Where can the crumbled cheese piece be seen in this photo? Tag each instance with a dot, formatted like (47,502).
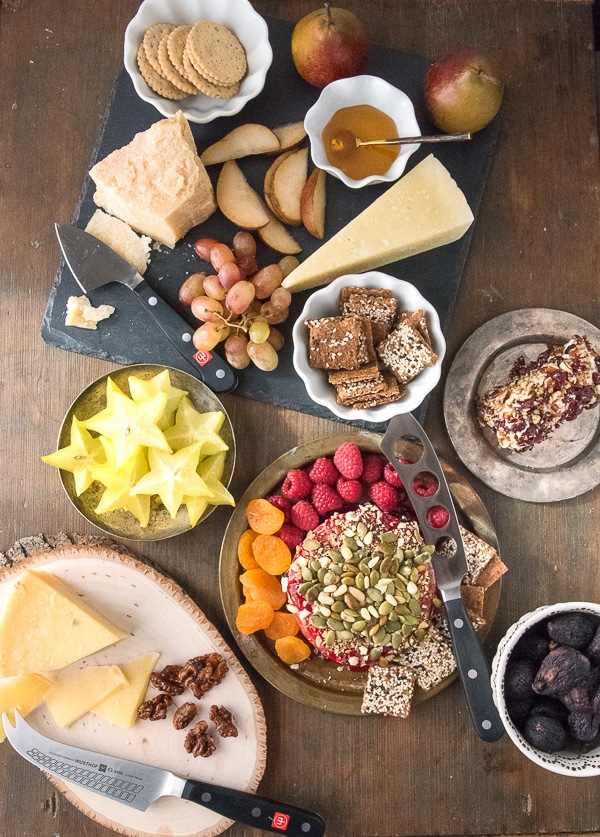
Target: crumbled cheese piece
(82,314)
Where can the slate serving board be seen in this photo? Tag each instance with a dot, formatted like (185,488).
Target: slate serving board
(129,336)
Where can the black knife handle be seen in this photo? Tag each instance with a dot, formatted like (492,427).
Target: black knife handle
(474,672)
(207,366)
(253,810)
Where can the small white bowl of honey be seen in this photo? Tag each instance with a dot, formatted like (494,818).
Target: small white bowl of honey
(365,108)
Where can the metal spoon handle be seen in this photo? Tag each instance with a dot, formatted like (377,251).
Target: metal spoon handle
(411,140)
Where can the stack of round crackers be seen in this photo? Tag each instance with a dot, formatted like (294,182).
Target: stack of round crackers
(180,61)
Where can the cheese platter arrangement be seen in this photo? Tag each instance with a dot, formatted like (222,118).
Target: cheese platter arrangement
(130,335)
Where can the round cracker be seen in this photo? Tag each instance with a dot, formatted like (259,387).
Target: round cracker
(155,81)
(216,53)
(175,46)
(213,91)
(151,41)
(170,72)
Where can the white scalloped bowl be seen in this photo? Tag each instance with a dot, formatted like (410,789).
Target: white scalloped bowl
(325,303)
(362,90)
(567,762)
(239,15)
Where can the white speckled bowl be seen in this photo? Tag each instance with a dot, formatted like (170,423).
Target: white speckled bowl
(362,90)
(239,15)
(325,303)
(567,762)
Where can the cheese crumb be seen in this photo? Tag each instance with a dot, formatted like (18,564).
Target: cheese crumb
(82,314)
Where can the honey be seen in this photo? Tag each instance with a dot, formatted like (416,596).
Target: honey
(367,123)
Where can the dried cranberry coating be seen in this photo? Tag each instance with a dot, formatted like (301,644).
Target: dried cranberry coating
(584,726)
(573,629)
(545,733)
(560,670)
(520,675)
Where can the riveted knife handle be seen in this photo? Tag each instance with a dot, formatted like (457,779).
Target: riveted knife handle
(207,366)
(474,672)
(253,810)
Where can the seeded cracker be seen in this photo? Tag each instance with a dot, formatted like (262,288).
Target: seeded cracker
(216,53)
(152,38)
(484,563)
(389,691)
(169,70)
(377,304)
(339,343)
(405,352)
(392,392)
(155,81)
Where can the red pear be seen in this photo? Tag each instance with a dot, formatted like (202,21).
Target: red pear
(328,44)
(463,91)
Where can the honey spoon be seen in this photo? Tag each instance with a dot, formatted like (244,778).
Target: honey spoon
(345,142)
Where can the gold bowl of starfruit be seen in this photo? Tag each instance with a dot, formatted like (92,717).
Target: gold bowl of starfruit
(146,452)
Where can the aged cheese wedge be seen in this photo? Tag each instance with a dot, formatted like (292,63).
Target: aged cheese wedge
(45,625)
(75,691)
(120,707)
(423,210)
(157,184)
(22,693)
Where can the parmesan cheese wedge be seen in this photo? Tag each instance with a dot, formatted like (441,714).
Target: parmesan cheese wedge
(22,693)
(45,626)
(75,691)
(423,210)
(120,707)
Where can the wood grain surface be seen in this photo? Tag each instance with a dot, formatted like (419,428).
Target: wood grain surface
(535,244)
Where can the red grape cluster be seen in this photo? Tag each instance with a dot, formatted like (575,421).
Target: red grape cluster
(239,304)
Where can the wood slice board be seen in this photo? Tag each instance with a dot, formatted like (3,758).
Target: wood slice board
(159,617)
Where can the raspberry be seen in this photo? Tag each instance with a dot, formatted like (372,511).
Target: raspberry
(438,516)
(348,460)
(304,516)
(384,495)
(291,535)
(326,499)
(349,490)
(390,475)
(425,485)
(372,469)
(283,504)
(296,485)
(325,471)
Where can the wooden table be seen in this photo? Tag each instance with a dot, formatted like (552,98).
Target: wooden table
(535,244)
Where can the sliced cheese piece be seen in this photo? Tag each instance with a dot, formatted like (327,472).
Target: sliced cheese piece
(45,625)
(157,184)
(82,314)
(75,691)
(132,247)
(120,708)
(22,693)
(423,210)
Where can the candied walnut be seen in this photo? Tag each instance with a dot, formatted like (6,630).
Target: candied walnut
(200,674)
(573,629)
(184,715)
(155,709)
(560,670)
(545,733)
(167,680)
(223,721)
(584,726)
(520,675)
(198,741)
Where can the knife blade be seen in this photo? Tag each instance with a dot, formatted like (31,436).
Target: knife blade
(449,561)
(93,264)
(139,785)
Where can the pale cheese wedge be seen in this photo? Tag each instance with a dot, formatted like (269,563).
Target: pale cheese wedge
(75,691)
(22,693)
(423,210)
(45,625)
(132,247)
(120,708)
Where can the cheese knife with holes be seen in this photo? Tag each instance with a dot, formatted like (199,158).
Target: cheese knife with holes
(93,264)
(139,785)
(449,561)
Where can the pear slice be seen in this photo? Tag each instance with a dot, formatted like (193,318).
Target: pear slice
(247,139)
(288,182)
(290,135)
(276,236)
(268,182)
(312,203)
(237,200)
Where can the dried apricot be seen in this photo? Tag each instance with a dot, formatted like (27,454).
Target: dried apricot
(283,624)
(291,649)
(253,616)
(272,554)
(260,586)
(263,517)
(245,556)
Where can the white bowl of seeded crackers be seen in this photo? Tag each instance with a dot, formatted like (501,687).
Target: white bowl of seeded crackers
(371,391)
(166,66)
